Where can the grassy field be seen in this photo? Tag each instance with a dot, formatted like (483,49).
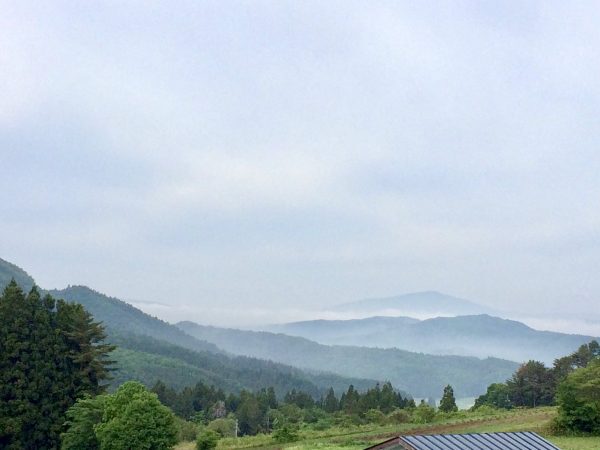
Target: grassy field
(358,438)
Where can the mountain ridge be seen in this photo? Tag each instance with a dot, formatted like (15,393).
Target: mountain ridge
(420,374)
(479,335)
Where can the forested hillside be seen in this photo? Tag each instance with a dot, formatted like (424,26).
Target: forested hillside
(480,335)
(122,317)
(8,271)
(419,374)
(148,360)
(151,349)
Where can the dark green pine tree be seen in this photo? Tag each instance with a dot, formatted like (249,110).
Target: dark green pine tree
(349,400)
(42,371)
(87,353)
(448,402)
(330,404)
(14,342)
(389,400)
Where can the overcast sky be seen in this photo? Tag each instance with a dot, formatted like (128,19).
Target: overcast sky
(272,156)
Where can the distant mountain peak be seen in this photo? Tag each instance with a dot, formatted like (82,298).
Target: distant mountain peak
(416,304)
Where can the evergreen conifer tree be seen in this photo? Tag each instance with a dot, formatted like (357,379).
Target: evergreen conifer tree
(331,402)
(49,355)
(448,402)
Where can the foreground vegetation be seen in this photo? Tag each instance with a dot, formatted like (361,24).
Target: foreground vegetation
(360,436)
(53,361)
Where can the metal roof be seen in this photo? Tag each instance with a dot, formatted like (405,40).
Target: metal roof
(481,441)
(484,441)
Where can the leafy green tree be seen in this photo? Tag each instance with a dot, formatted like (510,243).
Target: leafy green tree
(225,427)
(576,360)
(531,385)
(134,418)
(250,417)
(448,402)
(207,440)
(186,431)
(578,399)
(46,363)
(496,396)
(82,417)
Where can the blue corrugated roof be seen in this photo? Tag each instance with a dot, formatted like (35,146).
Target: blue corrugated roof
(481,441)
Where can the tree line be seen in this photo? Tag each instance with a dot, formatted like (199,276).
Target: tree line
(261,411)
(572,383)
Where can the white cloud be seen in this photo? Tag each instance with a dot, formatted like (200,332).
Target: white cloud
(303,152)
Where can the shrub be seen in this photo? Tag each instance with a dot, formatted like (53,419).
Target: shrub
(322,424)
(399,416)
(423,413)
(285,434)
(186,431)
(292,413)
(224,427)
(207,440)
(313,415)
(375,416)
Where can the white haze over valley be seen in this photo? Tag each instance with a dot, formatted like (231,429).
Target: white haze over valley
(257,318)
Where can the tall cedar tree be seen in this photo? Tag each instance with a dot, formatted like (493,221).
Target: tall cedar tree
(50,353)
(448,402)
(331,403)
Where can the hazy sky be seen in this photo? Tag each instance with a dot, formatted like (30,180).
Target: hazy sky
(277,155)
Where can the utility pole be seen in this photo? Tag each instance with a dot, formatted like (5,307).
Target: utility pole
(236,428)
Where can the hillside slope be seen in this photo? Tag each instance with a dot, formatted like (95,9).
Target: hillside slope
(155,340)
(8,271)
(419,374)
(479,335)
(119,316)
(151,349)
(148,360)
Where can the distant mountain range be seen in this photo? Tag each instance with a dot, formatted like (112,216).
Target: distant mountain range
(419,374)
(417,304)
(150,349)
(475,335)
